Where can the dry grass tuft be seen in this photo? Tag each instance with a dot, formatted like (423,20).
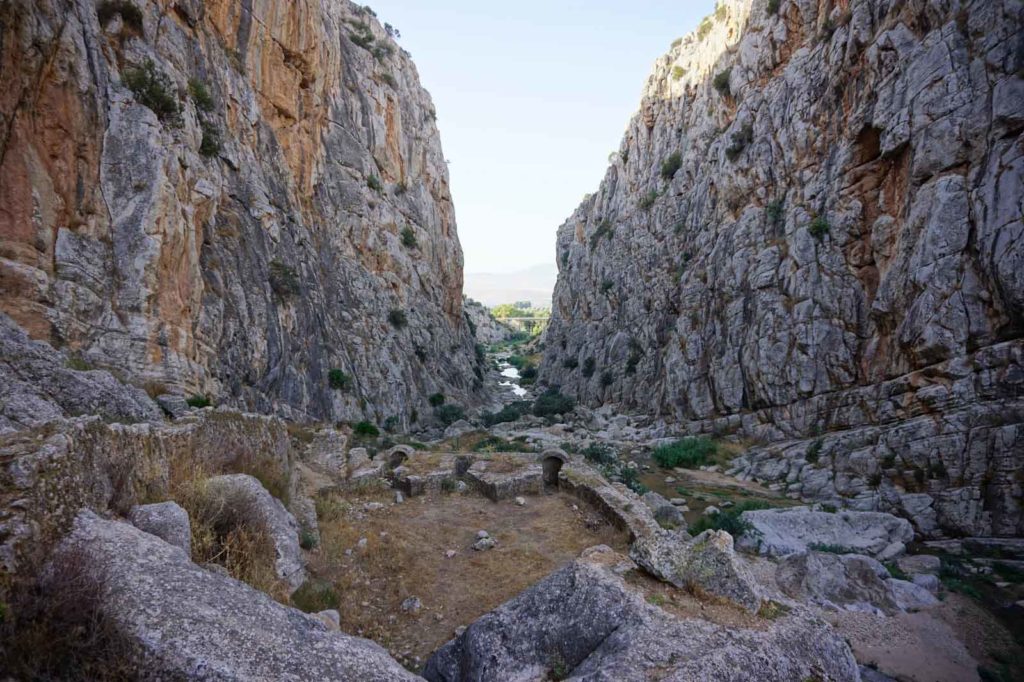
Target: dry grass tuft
(55,628)
(226,529)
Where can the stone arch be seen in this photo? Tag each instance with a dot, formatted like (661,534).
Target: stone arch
(398,454)
(552,460)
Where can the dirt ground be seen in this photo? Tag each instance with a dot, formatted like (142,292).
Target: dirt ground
(406,555)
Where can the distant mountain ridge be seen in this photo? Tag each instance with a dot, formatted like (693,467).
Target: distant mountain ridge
(534,284)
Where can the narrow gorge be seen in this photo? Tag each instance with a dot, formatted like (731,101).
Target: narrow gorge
(253,427)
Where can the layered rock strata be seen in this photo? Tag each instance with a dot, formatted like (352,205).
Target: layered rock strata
(812,229)
(231,199)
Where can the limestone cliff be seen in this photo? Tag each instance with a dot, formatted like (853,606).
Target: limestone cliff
(812,236)
(231,198)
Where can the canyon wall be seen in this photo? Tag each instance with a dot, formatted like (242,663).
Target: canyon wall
(812,237)
(231,198)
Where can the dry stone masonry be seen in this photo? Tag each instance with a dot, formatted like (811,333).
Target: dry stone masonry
(811,236)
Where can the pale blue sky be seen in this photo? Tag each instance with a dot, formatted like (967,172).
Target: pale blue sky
(531,99)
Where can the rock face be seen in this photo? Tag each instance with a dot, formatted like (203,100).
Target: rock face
(183,622)
(485,327)
(583,623)
(39,385)
(267,203)
(779,532)
(813,226)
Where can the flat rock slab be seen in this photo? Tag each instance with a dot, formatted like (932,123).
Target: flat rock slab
(583,623)
(779,532)
(183,622)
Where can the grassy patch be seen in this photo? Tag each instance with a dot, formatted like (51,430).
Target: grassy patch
(729,519)
(688,453)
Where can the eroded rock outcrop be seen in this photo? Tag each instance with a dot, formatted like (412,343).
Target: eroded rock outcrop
(183,622)
(811,235)
(584,623)
(231,199)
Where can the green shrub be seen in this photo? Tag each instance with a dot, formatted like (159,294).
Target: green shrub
(688,453)
(743,137)
(200,95)
(154,89)
(599,454)
(819,227)
(647,200)
(678,72)
(828,548)
(131,16)
(436,400)
(775,211)
(409,240)
(814,451)
(505,414)
(398,318)
(78,363)
(552,402)
(606,286)
(704,29)
(198,401)
(316,595)
(308,539)
(364,39)
(529,373)
(210,144)
(631,479)
(389,79)
(773,6)
(589,365)
(631,362)
(283,280)
(672,164)
(728,520)
(366,429)
(721,82)
(449,414)
(571,363)
(449,485)
(607,378)
(381,51)
(721,11)
(604,229)
(677,42)
(373,182)
(338,380)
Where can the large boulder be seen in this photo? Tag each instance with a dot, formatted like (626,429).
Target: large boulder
(665,513)
(247,492)
(705,565)
(778,532)
(833,581)
(167,521)
(584,623)
(182,622)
